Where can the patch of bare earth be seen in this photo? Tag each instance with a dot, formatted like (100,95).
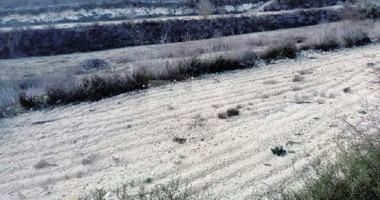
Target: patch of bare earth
(133,136)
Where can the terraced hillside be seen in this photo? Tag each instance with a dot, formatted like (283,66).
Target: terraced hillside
(298,104)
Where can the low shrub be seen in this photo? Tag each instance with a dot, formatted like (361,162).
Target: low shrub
(232,112)
(93,65)
(25,101)
(179,140)
(96,87)
(8,95)
(298,78)
(353,36)
(278,151)
(372,11)
(329,44)
(325,40)
(174,190)
(286,49)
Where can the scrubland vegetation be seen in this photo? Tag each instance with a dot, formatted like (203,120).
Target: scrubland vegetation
(46,42)
(353,175)
(81,84)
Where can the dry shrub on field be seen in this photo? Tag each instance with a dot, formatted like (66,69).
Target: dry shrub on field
(374,33)
(91,65)
(96,87)
(229,113)
(322,39)
(346,35)
(284,49)
(8,97)
(352,35)
(298,78)
(174,189)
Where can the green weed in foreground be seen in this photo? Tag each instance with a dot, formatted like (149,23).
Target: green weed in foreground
(355,175)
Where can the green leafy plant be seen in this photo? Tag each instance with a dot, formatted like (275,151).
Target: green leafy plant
(278,151)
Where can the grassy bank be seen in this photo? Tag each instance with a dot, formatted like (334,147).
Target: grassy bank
(87,83)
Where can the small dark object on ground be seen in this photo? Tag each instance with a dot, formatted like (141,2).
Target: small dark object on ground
(370,64)
(222,115)
(43,122)
(278,150)
(298,78)
(42,164)
(179,140)
(25,101)
(232,112)
(94,64)
(148,180)
(347,90)
(363,112)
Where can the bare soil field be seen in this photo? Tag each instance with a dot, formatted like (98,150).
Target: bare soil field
(299,104)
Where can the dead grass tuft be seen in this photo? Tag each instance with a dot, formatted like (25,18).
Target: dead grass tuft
(284,49)
(172,190)
(298,78)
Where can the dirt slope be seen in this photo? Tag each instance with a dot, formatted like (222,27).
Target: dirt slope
(129,137)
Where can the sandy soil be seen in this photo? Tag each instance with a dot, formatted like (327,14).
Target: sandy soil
(130,137)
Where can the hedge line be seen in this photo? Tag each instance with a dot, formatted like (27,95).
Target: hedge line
(46,42)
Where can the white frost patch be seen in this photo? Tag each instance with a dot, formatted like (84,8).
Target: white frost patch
(244,7)
(229,8)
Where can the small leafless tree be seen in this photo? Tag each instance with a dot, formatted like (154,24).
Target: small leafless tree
(205,8)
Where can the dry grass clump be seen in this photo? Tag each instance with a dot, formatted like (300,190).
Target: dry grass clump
(232,112)
(8,96)
(298,78)
(347,90)
(353,35)
(346,35)
(179,140)
(374,33)
(42,164)
(172,190)
(229,113)
(96,87)
(91,65)
(322,39)
(283,49)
